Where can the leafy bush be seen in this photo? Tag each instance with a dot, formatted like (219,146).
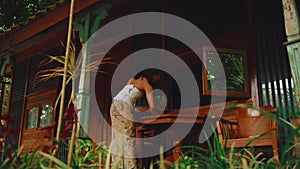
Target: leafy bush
(217,156)
(86,155)
(89,155)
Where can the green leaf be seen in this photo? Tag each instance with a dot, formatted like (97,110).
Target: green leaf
(55,160)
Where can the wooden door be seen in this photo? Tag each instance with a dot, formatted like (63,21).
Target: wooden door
(39,116)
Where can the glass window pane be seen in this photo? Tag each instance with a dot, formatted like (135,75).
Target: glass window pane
(5,98)
(46,115)
(32,118)
(4,94)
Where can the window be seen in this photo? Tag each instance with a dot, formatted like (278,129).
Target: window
(39,116)
(39,110)
(5,86)
(46,115)
(32,118)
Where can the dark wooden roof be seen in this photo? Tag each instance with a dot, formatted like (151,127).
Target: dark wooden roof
(52,15)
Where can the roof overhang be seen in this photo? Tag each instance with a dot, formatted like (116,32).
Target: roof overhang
(16,41)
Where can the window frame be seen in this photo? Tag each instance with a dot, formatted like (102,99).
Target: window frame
(41,113)
(27,114)
(38,100)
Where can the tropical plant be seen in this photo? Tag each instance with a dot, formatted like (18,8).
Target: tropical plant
(89,155)
(73,67)
(216,156)
(86,155)
(45,75)
(13,12)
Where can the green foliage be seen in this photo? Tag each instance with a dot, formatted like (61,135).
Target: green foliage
(86,155)
(34,160)
(89,155)
(44,162)
(17,11)
(10,161)
(216,156)
(234,72)
(232,65)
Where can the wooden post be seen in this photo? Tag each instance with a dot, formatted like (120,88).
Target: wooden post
(82,97)
(291,21)
(63,90)
(292,29)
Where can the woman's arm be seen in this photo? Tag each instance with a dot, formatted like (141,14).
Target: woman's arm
(150,98)
(142,83)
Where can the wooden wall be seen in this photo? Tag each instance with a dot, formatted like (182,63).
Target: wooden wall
(17,100)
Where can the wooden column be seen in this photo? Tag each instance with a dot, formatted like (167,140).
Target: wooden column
(86,26)
(4,64)
(291,21)
(292,29)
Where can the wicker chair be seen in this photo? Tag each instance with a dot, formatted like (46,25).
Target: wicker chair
(249,131)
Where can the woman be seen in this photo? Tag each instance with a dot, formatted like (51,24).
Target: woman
(123,121)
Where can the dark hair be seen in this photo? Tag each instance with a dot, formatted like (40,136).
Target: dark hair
(145,73)
(140,74)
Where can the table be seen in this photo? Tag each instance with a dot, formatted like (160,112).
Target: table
(153,125)
(170,117)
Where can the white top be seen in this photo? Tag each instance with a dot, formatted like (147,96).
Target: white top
(129,94)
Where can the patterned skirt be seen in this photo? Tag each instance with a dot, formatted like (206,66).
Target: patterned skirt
(123,134)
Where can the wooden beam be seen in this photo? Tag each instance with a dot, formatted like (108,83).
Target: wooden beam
(252,54)
(46,44)
(27,40)
(44,41)
(41,24)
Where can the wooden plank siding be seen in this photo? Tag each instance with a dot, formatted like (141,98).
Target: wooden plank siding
(17,101)
(35,67)
(23,85)
(274,77)
(272,60)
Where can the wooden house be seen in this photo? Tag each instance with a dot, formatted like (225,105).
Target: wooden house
(254,28)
